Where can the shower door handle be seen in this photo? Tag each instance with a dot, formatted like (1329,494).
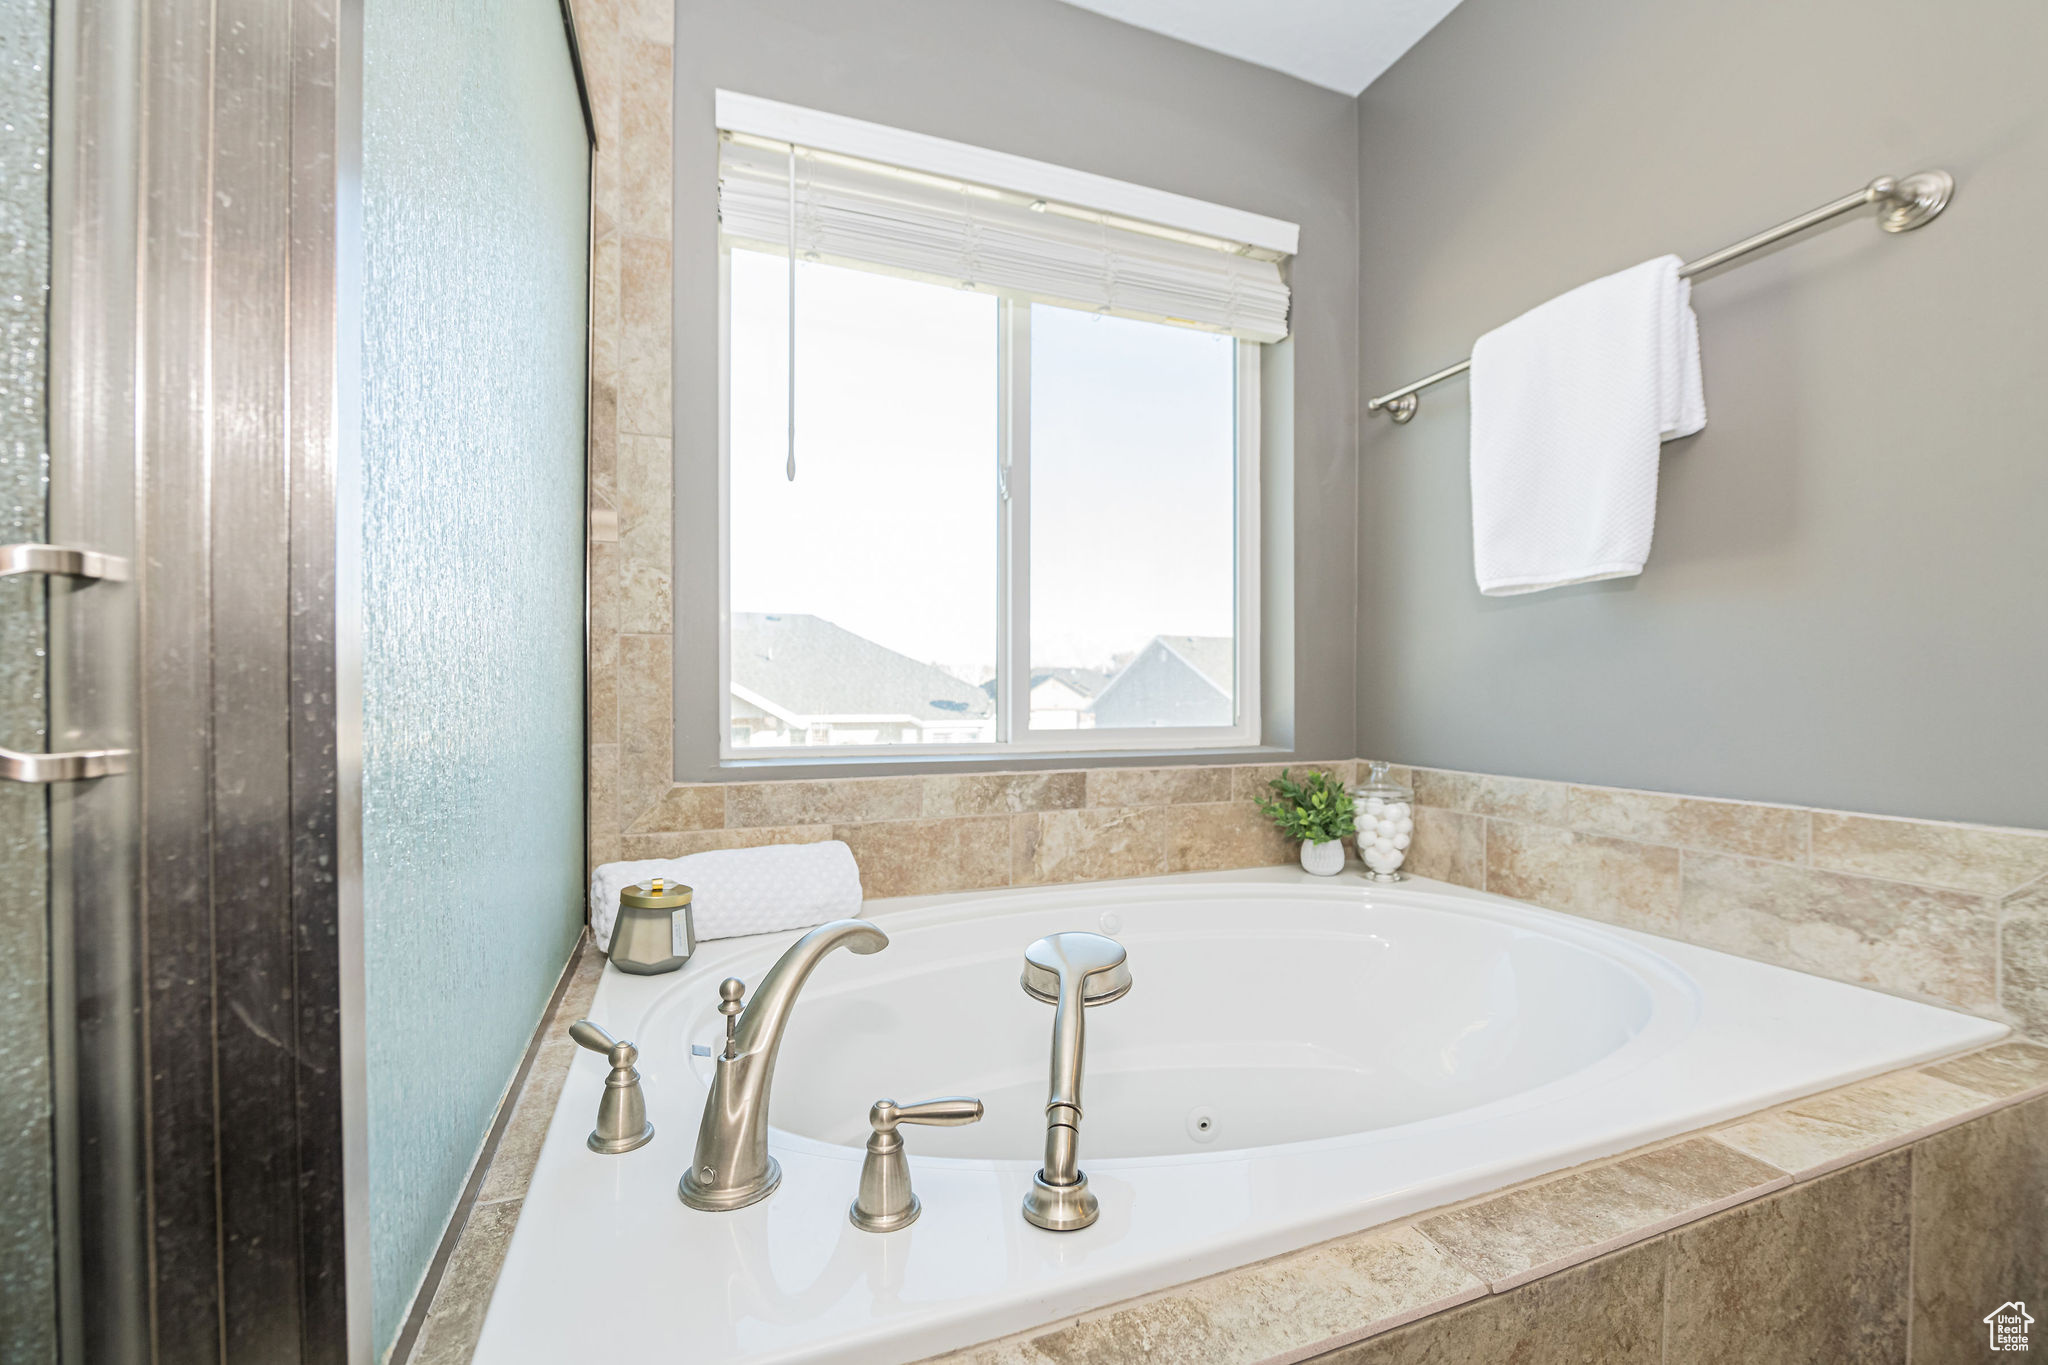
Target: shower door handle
(61,559)
(79,764)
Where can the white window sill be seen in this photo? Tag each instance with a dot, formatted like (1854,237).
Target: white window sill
(825,764)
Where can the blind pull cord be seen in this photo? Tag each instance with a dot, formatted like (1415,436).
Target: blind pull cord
(789,469)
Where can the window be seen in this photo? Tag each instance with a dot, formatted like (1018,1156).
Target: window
(989,508)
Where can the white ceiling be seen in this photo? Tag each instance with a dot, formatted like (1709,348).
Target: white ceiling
(1341,45)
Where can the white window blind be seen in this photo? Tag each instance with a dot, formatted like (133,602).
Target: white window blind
(856,212)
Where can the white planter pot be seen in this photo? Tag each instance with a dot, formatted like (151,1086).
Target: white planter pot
(1325,859)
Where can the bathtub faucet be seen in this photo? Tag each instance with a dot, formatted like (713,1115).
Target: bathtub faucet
(732,1168)
(1071,971)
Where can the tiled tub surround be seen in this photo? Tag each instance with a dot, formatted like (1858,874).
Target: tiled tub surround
(915,836)
(1873,1224)
(971,1267)
(628,49)
(1955,914)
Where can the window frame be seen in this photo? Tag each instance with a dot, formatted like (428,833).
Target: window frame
(1014,735)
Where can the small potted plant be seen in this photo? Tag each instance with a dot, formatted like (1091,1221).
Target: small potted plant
(1317,811)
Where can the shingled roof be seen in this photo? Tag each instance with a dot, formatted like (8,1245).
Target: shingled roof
(801,665)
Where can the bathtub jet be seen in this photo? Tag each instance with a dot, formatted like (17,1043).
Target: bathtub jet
(1072,972)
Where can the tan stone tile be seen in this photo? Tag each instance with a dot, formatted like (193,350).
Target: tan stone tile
(2000,1072)
(1615,880)
(1094,844)
(1909,939)
(645,154)
(1446,790)
(646,558)
(1157,786)
(582,989)
(1608,1311)
(830,801)
(1225,835)
(1448,845)
(604,441)
(652,21)
(1515,798)
(1002,793)
(1252,782)
(604,311)
(1817,1272)
(1317,1299)
(1543,1228)
(646,573)
(1959,857)
(646,725)
(1754,831)
(698,805)
(1980,1229)
(646,477)
(519,1146)
(645,310)
(602,834)
(2023,955)
(456,1317)
(921,857)
(1824,1132)
(682,843)
(603,699)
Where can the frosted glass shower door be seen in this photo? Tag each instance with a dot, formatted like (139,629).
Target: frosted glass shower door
(476,213)
(28,1280)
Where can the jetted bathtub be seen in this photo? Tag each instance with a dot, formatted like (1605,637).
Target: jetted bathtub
(1298,1058)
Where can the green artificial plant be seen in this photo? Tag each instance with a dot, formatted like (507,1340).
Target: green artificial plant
(1314,810)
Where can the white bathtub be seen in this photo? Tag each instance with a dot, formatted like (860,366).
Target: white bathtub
(1298,1058)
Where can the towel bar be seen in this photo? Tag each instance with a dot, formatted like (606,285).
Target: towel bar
(1908,203)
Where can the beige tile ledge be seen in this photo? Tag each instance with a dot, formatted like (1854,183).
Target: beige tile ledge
(1985,860)
(1299,1305)
(1838,1128)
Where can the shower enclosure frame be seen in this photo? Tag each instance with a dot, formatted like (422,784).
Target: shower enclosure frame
(198,405)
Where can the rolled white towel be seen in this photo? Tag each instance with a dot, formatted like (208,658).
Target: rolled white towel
(741,890)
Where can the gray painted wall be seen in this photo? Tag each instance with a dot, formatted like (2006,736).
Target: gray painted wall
(1847,602)
(1046,80)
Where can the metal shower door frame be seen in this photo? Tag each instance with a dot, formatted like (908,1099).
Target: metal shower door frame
(200,210)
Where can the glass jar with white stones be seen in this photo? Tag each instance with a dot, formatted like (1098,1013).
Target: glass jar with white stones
(1385,812)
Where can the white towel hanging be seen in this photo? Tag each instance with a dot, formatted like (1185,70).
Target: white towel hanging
(1570,403)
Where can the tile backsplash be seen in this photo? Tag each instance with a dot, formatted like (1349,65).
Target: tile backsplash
(916,835)
(1955,914)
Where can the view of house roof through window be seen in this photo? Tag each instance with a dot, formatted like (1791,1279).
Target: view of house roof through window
(1011,521)
(800,679)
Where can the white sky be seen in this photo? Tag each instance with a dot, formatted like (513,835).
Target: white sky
(890,527)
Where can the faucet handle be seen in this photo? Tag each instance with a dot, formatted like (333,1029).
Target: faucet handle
(622,1122)
(885,1202)
(597,1040)
(951,1112)
(731,992)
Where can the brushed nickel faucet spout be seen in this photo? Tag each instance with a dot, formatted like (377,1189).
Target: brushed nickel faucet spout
(1071,971)
(732,1168)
